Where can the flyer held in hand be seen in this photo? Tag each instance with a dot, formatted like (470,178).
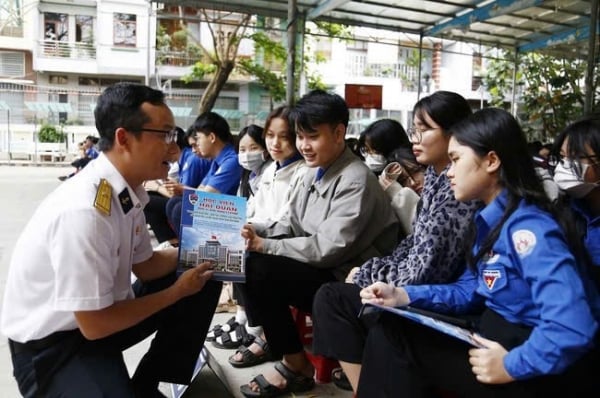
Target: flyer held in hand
(210,231)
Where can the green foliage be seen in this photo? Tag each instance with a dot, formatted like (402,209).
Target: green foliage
(179,40)
(199,71)
(272,82)
(552,90)
(49,133)
(336,30)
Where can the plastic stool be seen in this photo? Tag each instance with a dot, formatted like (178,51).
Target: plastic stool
(304,325)
(323,366)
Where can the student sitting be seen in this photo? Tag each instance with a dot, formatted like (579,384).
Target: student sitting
(378,140)
(576,165)
(539,325)
(214,141)
(432,253)
(191,171)
(402,180)
(338,217)
(270,203)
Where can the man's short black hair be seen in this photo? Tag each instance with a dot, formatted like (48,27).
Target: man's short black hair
(211,122)
(120,106)
(319,107)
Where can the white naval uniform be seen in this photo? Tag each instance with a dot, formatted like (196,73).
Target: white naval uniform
(73,257)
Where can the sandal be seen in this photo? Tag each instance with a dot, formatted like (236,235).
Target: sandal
(217,330)
(239,336)
(249,358)
(340,379)
(295,382)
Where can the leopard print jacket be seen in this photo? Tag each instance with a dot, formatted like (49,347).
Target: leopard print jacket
(434,252)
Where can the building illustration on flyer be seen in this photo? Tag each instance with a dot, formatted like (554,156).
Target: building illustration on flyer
(210,231)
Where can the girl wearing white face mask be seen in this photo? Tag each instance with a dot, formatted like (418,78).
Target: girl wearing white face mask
(378,140)
(577,172)
(253,157)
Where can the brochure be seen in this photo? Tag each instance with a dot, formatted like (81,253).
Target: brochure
(211,225)
(444,323)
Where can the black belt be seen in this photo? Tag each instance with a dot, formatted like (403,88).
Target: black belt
(40,344)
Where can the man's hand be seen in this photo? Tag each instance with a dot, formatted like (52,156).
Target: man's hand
(253,241)
(488,363)
(193,280)
(173,188)
(384,294)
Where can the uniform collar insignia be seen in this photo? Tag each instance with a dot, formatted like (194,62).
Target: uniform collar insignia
(125,200)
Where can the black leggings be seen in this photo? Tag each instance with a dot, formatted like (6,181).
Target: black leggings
(406,359)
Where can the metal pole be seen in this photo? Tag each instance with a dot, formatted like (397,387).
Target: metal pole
(591,61)
(513,101)
(291,55)
(8,131)
(147,76)
(419,89)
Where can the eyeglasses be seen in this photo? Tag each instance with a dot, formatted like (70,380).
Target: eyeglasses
(416,134)
(170,135)
(554,160)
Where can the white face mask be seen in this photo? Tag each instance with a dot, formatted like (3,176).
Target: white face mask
(375,162)
(251,160)
(567,179)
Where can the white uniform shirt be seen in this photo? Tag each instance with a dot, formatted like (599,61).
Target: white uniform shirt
(73,257)
(271,200)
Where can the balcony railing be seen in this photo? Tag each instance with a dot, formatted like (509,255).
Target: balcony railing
(63,49)
(176,58)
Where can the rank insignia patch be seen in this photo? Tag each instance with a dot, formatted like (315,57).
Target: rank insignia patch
(125,200)
(490,276)
(103,197)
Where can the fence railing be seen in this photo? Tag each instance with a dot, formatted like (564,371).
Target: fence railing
(64,49)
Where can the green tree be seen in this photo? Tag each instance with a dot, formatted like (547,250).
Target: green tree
(221,60)
(268,67)
(552,90)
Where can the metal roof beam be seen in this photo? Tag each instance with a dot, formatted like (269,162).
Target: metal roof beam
(562,37)
(491,10)
(324,7)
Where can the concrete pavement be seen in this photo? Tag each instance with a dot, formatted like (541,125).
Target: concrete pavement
(22,188)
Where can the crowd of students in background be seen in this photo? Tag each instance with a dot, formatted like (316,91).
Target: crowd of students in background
(457,214)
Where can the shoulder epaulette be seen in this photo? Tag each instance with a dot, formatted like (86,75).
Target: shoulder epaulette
(103,197)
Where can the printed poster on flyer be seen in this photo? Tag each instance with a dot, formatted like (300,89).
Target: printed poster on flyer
(211,224)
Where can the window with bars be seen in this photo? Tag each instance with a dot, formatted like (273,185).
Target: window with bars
(124,32)
(12,64)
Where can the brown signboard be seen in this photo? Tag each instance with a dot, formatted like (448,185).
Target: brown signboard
(365,96)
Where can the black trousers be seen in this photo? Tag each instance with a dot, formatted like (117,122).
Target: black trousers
(76,367)
(338,332)
(273,284)
(156,215)
(406,359)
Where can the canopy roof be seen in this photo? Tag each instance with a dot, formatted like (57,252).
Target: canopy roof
(561,27)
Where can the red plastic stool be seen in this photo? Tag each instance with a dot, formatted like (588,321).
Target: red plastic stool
(323,366)
(304,325)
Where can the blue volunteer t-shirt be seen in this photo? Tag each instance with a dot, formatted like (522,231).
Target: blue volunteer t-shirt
(225,172)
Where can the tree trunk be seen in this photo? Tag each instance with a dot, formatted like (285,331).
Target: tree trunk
(209,97)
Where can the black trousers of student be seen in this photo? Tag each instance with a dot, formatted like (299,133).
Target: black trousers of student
(273,284)
(73,367)
(156,215)
(406,359)
(338,332)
